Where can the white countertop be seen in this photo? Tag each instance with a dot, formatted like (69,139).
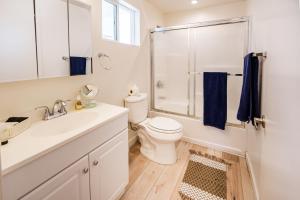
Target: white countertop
(44,137)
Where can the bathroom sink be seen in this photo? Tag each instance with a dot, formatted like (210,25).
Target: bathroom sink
(63,124)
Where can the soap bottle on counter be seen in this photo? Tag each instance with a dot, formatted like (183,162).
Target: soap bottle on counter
(78,103)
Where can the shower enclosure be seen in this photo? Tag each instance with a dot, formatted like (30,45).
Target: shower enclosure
(180,55)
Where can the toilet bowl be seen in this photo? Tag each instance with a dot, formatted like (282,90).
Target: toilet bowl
(157,135)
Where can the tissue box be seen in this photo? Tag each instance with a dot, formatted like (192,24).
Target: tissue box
(12,129)
(20,127)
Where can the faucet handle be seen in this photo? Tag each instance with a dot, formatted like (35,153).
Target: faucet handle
(60,106)
(65,102)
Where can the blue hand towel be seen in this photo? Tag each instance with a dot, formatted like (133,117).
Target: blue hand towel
(215,99)
(77,66)
(249,103)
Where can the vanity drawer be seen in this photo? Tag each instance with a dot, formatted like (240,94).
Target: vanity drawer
(23,180)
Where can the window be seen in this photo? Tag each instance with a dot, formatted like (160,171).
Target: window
(120,22)
(108,20)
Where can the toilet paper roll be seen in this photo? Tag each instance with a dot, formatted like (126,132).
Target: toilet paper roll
(134,90)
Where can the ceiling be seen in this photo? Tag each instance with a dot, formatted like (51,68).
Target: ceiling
(167,6)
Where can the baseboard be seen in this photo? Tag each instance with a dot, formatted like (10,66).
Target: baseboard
(222,148)
(252,175)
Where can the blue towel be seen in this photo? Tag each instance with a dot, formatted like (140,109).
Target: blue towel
(249,103)
(215,99)
(77,66)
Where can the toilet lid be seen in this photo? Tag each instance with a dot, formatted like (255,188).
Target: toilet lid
(163,124)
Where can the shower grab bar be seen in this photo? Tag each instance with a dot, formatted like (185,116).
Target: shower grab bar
(228,74)
(259,54)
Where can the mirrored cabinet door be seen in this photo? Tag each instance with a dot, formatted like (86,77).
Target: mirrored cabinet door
(17,41)
(52,38)
(80,22)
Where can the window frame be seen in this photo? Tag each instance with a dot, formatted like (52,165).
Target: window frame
(134,20)
(115,21)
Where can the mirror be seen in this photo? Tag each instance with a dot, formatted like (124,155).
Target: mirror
(64,47)
(56,42)
(80,22)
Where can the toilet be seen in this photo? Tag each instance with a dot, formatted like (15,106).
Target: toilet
(157,135)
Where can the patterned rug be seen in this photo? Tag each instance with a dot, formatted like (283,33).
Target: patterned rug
(204,178)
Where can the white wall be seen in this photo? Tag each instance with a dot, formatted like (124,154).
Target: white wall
(230,10)
(274,152)
(129,65)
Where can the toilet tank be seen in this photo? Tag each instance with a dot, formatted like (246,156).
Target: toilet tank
(138,108)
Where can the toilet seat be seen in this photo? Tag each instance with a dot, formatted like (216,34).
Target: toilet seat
(164,125)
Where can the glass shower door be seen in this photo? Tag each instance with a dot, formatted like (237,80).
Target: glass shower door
(219,48)
(170,67)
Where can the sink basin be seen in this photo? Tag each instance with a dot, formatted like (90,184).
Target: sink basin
(63,124)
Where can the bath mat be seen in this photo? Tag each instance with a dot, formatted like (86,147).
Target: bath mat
(204,178)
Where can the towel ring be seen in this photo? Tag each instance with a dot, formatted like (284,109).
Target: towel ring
(102,55)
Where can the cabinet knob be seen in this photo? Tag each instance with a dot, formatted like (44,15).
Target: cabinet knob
(96,162)
(85,170)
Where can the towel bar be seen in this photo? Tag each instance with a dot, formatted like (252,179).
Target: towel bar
(228,74)
(67,58)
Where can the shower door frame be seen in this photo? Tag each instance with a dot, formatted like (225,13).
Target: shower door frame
(190,26)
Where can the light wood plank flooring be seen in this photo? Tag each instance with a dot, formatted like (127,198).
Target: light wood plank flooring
(151,181)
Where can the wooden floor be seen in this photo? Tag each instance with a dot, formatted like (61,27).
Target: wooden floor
(151,181)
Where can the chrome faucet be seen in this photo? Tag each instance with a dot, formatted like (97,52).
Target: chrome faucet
(59,109)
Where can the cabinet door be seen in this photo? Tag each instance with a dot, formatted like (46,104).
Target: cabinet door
(52,38)
(72,183)
(109,168)
(17,39)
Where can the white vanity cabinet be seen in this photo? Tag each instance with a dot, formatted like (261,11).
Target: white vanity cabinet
(101,175)
(72,183)
(109,169)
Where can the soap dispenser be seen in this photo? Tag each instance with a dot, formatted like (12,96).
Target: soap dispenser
(78,103)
